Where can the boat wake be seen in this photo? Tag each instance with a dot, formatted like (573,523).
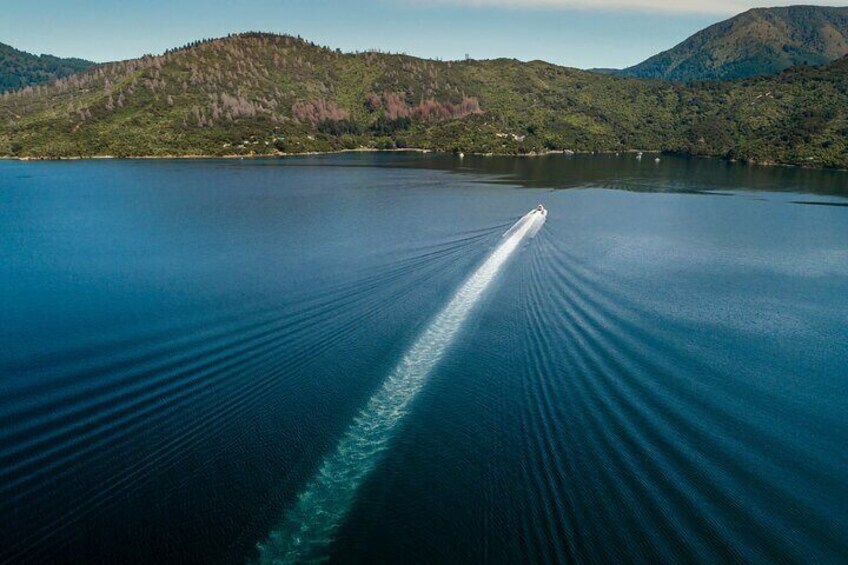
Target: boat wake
(537,216)
(308,528)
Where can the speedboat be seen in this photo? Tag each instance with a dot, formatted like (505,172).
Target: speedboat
(533,220)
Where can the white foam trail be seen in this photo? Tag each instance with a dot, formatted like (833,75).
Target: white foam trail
(517,225)
(308,528)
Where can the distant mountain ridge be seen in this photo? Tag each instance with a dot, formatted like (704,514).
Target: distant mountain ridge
(757,42)
(19,69)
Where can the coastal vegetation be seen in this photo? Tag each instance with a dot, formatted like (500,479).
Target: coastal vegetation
(265,94)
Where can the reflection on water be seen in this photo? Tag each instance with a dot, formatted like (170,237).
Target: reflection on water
(625,172)
(658,376)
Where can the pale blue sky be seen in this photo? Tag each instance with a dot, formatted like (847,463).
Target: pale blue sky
(579,33)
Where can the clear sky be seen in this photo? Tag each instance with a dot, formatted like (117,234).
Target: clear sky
(578,33)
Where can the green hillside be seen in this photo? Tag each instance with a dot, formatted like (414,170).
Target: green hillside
(758,42)
(265,94)
(797,117)
(19,69)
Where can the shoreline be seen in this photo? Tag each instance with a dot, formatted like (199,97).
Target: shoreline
(212,156)
(565,152)
(335,152)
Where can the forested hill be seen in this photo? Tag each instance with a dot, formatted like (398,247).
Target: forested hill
(264,94)
(757,42)
(19,69)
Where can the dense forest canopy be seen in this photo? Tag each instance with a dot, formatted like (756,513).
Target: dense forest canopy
(19,69)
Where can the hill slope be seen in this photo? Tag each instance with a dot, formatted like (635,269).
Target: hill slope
(19,69)
(758,42)
(263,94)
(212,96)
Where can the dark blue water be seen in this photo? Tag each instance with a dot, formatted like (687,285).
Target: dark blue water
(660,375)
